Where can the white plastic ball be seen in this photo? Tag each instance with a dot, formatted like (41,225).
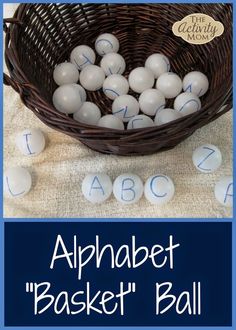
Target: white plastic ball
(65,73)
(30,142)
(113,63)
(151,101)
(97,187)
(17,182)
(128,188)
(125,107)
(82,56)
(111,121)
(196,82)
(92,77)
(207,158)
(187,103)
(140,121)
(67,98)
(158,63)
(141,79)
(82,93)
(165,116)
(169,84)
(159,189)
(106,43)
(115,85)
(89,113)
(224,191)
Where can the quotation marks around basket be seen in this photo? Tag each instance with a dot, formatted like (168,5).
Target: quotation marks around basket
(90,301)
(207,158)
(198,28)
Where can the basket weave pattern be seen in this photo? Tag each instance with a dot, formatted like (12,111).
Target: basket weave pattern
(39,36)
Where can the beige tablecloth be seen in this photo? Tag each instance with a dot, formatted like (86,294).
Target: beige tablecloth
(58,172)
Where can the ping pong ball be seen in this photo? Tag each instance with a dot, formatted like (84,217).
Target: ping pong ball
(125,107)
(115,85)
(89,113)
(187,103)
(106,43)
(17,182)
(67,98)
(224,191)
(128,188)
(110,121)
(92,77)
(165,116)
(159,189)
(30,142)
(65,73)
(82,93)
(141,79)
(158,64)
(82,56)
(207,158)
(196,82)
(169,84)
(150,101)
(113,63)
(97,187)
(140,121)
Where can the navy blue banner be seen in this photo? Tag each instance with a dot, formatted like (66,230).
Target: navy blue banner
(114,274)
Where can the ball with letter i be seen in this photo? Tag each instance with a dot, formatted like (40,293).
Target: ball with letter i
(125,107)
(106,43)
(92,77)
(187,103)
(207,158)
(65,73)
(159,189)
(128,188)
(17,182)
(196,82)
(97,187)
(115,85)
(158,64)
(224,191)
(140,79)
(82,56)
(30,142)
(169,84)
(113,63)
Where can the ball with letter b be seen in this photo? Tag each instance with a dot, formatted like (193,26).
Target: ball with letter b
(128,188)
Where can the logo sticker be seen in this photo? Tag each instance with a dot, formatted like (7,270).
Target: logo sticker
(198,28)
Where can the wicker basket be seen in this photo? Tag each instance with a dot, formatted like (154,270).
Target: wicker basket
(39,36)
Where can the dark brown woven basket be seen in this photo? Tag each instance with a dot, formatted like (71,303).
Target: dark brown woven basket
(43,35)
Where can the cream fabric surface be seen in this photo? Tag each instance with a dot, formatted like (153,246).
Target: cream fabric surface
(58,171)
